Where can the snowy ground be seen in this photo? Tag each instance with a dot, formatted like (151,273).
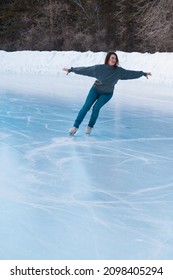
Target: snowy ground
(107,196)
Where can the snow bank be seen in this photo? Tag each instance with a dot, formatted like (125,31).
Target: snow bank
(160,64)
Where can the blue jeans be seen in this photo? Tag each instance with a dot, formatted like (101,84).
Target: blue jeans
(94,96)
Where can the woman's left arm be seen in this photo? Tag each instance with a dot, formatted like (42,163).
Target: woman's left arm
(131,74)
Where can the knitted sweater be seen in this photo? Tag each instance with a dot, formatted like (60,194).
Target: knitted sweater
(107,76)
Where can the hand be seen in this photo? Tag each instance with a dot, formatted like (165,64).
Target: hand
(66,70)
(148,74)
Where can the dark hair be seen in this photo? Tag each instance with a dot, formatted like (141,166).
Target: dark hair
(108,57)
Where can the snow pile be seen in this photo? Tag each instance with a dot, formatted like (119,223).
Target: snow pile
(36,62)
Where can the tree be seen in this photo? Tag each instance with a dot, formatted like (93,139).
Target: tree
(135,25)
(154,25)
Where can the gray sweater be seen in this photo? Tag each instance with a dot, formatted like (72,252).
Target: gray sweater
(107,76)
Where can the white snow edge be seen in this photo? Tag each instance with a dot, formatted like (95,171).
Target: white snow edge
(45,62)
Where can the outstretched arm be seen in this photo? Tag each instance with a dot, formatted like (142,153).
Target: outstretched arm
(85,71)
(131,74)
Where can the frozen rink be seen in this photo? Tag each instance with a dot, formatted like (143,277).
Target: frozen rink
(106,196)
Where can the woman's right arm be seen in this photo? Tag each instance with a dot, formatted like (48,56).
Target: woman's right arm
(85,71)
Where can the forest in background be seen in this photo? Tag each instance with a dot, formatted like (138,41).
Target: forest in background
(82,25)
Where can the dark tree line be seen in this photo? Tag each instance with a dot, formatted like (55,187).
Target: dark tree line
(97,25)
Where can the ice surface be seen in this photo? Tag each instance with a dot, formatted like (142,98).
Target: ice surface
(106,196)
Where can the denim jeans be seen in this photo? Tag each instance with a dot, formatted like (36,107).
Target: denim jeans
(96,98)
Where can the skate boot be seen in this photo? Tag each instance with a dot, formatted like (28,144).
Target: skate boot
(72,130)
(88,130)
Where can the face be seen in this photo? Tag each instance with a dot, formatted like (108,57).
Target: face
(112,60)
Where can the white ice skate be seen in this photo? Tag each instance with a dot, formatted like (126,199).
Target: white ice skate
(88,130)
(72,130)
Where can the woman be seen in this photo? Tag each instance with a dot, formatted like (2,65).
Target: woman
(107,75)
